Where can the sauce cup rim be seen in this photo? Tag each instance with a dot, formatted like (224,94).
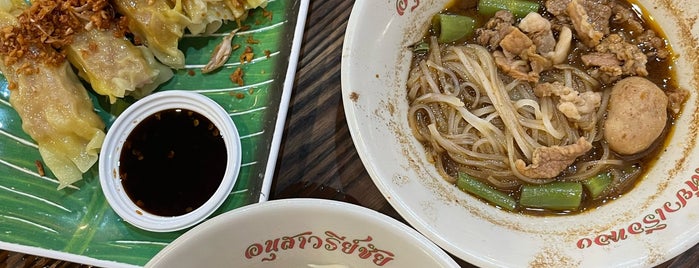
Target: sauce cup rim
(110,180)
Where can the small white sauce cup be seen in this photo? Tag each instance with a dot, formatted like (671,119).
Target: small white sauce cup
(120,130)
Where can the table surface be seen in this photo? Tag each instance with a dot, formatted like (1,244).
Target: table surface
(317,157)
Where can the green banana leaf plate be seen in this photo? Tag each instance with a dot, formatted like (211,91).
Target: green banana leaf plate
(77,224)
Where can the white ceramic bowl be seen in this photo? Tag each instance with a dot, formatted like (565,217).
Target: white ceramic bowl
(299,232)
(120,130)
(654,222)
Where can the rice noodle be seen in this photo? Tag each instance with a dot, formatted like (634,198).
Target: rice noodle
(461,107)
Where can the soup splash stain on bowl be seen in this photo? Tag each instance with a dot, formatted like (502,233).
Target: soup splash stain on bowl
(170,160)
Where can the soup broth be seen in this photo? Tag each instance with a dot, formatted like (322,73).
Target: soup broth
(522,110)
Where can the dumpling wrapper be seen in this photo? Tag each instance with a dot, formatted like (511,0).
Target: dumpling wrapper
(240,7)
(57,113)
(55,109)
(114,67)
(13,7)
(205,16)
(250,4)
(158,25)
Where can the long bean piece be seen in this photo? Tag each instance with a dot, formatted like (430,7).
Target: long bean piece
(453,27)
(598,184)
(554,195)
(480,189)
(519,8)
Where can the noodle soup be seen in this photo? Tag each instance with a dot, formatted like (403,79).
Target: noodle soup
(549,107)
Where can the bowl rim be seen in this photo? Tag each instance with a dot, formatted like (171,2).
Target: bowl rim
(394,188)
(313,204)
(122,127)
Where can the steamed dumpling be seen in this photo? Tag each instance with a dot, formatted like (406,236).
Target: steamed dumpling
(113,66)
(158,26)
(57,113)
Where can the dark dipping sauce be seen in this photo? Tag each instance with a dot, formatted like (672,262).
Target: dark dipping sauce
(172,162)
